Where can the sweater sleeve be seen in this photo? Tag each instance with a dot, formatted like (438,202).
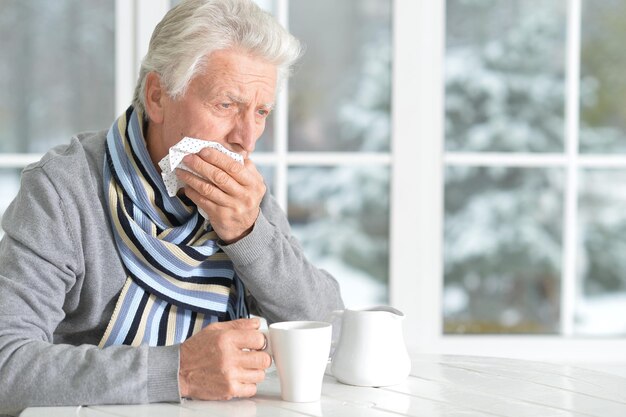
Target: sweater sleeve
(40,262)
(283,284)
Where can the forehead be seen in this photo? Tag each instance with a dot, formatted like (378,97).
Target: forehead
(228,71)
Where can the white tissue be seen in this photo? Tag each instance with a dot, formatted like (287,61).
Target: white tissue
(174,159)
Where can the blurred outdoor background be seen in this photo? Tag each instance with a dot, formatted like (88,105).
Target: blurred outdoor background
(506,73)
(57,74)
(505,92)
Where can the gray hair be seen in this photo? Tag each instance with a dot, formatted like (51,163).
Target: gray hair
(192,30)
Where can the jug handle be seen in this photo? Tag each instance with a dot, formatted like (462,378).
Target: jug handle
(334,318)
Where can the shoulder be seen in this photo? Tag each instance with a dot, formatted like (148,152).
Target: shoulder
(61,194)
(74,169)
(67,178)
(84,152)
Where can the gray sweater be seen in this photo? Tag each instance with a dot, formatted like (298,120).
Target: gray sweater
(60,276)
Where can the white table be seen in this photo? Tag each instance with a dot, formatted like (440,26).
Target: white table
(438,386)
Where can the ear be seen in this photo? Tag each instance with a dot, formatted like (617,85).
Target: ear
(155,97)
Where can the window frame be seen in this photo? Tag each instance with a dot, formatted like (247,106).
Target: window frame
(416,160)
(417,217)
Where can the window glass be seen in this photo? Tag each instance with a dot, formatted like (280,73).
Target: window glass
(504,92)
(341,217)
(602,82)
(9,185)
(57,71)
(502,250)
(265,143)
(601,304)
(504,75)
(269,175)
(339,100)
(339,95)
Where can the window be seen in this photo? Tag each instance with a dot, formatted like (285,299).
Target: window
(601,297)
(504,101)
(9,184)
(487,205)
(520,221)
(327,160)
(326,151)
(57,78)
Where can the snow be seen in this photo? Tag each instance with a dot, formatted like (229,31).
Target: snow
(358,289)
(601,315)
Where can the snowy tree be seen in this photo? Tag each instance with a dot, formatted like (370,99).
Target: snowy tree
(341,213)
(504,226)
(503,231)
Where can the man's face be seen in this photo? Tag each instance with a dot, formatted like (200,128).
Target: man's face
(227,103)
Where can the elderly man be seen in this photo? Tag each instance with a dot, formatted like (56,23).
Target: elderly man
(111,290)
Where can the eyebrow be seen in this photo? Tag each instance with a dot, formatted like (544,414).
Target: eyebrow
(240,100)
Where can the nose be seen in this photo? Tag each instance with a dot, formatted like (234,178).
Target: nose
(246,131)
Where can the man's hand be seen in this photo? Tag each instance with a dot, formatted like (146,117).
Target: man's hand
(215,366)
(229,192)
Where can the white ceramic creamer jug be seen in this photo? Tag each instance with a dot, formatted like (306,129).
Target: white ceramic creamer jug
(371,350)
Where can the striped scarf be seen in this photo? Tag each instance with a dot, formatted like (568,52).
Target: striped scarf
(179,280)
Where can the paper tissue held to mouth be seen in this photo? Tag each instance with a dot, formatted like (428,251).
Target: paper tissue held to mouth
(174,159)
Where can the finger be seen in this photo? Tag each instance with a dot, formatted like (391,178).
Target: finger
(207,205)
(251,168)
(220,160)
(244,324)
(250,339)
(224,163)
(213,210)
(246,390)
(255,360)
(218,176)
(204,188)
(251,376)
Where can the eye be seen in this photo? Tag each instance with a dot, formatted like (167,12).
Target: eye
(263,112)
(226,106)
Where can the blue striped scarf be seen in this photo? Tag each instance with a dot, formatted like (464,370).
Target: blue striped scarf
(179,280)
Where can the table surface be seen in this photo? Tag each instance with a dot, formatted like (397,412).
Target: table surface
(438,386)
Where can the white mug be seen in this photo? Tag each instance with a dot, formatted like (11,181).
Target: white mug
(300,350)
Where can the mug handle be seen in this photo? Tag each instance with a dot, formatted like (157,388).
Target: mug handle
(335,318)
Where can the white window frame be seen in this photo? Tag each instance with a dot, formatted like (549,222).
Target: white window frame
(134,22)
(417,160)
(137,21)
(281,159)
(417,196)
